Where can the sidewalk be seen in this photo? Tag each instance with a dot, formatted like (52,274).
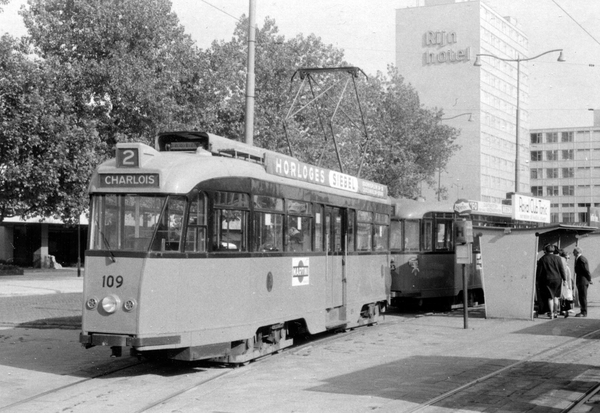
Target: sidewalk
(41,282)
(41,298)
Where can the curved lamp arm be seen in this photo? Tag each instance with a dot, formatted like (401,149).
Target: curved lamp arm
(462,114)
(561,57)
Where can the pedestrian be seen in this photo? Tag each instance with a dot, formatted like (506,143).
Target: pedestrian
(550,275)
(583,279)
(566,292)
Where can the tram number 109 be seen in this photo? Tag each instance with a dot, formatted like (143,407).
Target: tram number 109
(112,281)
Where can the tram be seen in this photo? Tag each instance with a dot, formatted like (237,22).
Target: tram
(207,248)
(424,269)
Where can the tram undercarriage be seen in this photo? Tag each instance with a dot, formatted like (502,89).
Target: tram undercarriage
(267,340)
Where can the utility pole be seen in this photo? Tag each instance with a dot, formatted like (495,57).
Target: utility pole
(249,131)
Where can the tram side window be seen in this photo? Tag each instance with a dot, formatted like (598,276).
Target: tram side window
(381,229)
(230,220)
(299,226)
(169,230)
(443,235)
(268,223)
(364,230)
(411,233)
(351,233)
(318,245)
(195,240)
(427,234)
(396,235)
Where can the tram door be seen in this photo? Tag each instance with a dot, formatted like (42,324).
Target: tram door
(335,256)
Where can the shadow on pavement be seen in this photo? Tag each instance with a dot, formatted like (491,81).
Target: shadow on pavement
(419,379)
(565,327)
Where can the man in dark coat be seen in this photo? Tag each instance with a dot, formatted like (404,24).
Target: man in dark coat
(583,280)
(550,275)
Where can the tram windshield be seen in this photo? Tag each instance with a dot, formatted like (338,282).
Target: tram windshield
(136,222)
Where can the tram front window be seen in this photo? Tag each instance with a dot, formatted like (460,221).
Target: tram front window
(129,222)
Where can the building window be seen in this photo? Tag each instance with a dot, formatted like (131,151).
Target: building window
(568,172)
(554,217)
(552,173)
(567,136)
(551,137)
(552,190)
(537,190)
(536,173)
(536,138)
(568,217)
(568,190)
(536,156)
(551,155)
(583,217)
(568,154)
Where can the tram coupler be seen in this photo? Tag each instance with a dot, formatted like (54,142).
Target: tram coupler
(116,351)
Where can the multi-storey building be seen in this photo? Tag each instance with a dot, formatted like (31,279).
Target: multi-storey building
(565,168)
(436,47)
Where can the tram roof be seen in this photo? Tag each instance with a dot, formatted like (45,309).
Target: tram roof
(413,209)
(181,170)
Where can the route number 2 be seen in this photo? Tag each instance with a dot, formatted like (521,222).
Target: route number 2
(112,281)
(127,158)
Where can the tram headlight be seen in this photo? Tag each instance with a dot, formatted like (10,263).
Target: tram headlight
(129,305)
(91,303)
(110,303)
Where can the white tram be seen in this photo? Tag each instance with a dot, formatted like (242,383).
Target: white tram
(207,248)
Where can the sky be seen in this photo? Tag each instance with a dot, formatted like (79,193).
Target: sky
(561,95)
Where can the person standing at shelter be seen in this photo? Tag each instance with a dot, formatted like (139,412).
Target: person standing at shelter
(566,293)
(550,275)
(583,279)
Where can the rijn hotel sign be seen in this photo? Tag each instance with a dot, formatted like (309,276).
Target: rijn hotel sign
(445,48)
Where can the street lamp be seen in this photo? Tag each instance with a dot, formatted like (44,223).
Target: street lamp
(462,114)
(518,60)
(439,167)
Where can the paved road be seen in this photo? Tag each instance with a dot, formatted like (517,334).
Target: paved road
(400,365)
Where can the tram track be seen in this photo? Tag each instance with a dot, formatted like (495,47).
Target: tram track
(539,356)
(322,339)
(130,379)
(68,386)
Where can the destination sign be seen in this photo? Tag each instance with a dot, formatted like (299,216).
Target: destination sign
(129,180)
(301,171)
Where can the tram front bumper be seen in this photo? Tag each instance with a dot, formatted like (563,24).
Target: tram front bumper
(116,340)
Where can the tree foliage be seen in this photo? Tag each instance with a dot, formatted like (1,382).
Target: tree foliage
(403,144)
(89,74)
(93,73)
(47,152)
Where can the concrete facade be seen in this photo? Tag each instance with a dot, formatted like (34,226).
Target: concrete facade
(565,168)
(436,46)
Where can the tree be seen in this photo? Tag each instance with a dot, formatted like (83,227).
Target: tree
(47,152)
(139,70)
(89,74)
(404,143)
(276,61)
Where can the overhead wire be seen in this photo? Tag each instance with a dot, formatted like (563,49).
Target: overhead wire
(221,10)
(575,21)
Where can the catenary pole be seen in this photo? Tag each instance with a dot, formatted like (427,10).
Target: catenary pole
(249,130)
